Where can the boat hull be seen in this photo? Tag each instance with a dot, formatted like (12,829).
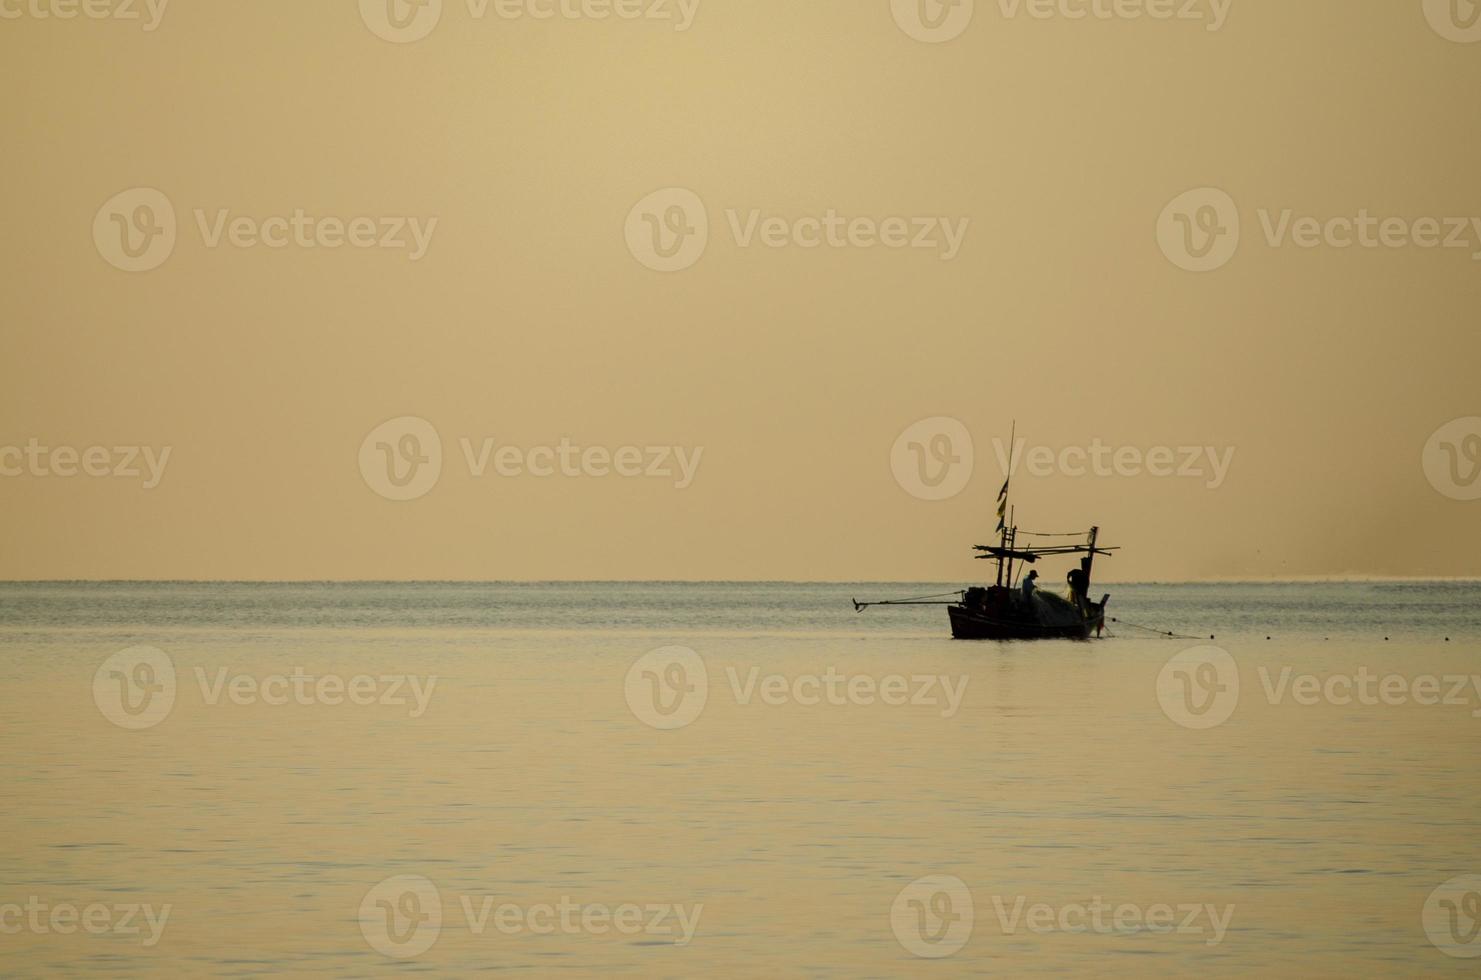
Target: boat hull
(995,614)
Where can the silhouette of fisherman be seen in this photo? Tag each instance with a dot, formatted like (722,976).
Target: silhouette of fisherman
(1029,585)
(1079,586)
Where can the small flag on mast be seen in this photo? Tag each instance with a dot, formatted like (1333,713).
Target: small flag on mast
(1007,478)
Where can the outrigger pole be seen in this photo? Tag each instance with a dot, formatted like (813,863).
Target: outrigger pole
(918,601)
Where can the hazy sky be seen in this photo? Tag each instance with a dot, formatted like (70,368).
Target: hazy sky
(553,167)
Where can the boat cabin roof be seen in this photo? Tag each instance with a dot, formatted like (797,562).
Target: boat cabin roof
(1034,554)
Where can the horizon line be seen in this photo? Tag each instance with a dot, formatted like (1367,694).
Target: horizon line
(1295,580)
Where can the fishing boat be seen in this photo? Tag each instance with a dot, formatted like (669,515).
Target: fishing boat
(1007,610)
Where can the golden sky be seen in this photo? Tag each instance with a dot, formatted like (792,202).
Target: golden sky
(908,212)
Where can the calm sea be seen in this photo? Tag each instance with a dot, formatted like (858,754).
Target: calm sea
(737,780)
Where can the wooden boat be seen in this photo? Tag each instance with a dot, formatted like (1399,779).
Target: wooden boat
(1006,610)
(1003,612)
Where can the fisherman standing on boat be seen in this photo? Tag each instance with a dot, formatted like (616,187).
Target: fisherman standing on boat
(1079,583)
(1029,584)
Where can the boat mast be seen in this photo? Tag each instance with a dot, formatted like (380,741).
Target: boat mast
(1003,505)
(1012,543)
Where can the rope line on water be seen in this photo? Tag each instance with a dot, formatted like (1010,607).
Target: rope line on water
(1170,635)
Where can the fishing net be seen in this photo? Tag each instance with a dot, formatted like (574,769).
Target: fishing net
(1053,609)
